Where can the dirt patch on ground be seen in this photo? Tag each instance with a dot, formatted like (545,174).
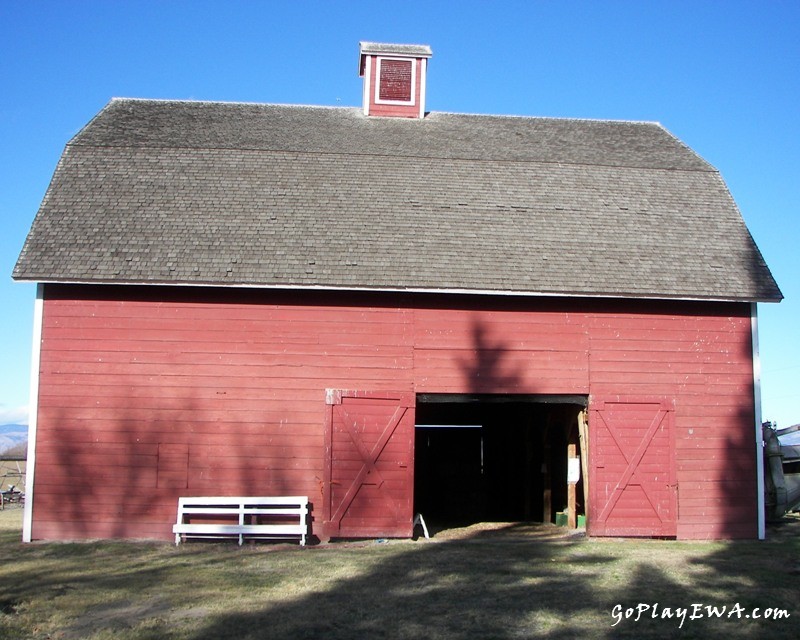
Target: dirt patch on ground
(788,528)
(504,530)
(114,617)
(480,531)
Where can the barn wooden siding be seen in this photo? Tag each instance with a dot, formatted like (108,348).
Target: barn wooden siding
(147,394)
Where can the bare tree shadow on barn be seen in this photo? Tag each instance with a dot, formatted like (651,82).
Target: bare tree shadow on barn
(114,477)
(490,369)
(128,432)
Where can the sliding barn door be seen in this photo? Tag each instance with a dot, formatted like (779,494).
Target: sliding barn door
(369,458)
(632,461)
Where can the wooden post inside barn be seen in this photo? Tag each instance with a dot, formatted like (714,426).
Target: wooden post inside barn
(572,518)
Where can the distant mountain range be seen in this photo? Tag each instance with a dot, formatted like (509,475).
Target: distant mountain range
(12,435)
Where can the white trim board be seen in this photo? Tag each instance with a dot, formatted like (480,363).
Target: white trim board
(423,69)
(762,533)
(33,413)
(408,103)
(367,83)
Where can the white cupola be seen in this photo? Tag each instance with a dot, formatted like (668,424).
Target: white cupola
(394,79)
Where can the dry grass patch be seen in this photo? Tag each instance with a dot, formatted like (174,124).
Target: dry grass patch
(518,581)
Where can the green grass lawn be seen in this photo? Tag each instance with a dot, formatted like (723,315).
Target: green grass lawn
(517,582)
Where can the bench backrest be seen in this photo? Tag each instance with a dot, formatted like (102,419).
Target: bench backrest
(248,501)
(296,506)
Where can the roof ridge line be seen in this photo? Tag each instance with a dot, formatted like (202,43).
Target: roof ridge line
(558,118)
(358,109)
(233,103)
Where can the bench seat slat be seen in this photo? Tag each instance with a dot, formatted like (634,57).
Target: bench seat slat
(294,508)
(280,529)
(247,512)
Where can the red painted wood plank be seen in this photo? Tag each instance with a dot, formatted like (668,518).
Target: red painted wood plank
(720,457)
(720,529)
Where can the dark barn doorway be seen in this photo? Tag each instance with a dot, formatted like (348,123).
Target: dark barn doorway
(493,458)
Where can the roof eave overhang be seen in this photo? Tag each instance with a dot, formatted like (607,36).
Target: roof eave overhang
(419,290)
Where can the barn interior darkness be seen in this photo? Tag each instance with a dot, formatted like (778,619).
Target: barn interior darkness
(493,458)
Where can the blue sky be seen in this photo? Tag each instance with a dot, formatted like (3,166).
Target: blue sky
(722,76)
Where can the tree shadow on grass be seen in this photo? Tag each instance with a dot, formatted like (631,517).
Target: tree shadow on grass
(483,587)
(525,582)
(745,589)
(510,581)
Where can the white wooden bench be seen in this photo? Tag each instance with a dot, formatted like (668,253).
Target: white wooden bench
(246,517)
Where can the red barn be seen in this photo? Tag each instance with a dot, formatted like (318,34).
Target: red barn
(392,312)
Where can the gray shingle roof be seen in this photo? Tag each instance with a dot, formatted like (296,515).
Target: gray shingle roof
(246,194)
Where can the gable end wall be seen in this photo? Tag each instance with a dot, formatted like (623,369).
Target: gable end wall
(147,394)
